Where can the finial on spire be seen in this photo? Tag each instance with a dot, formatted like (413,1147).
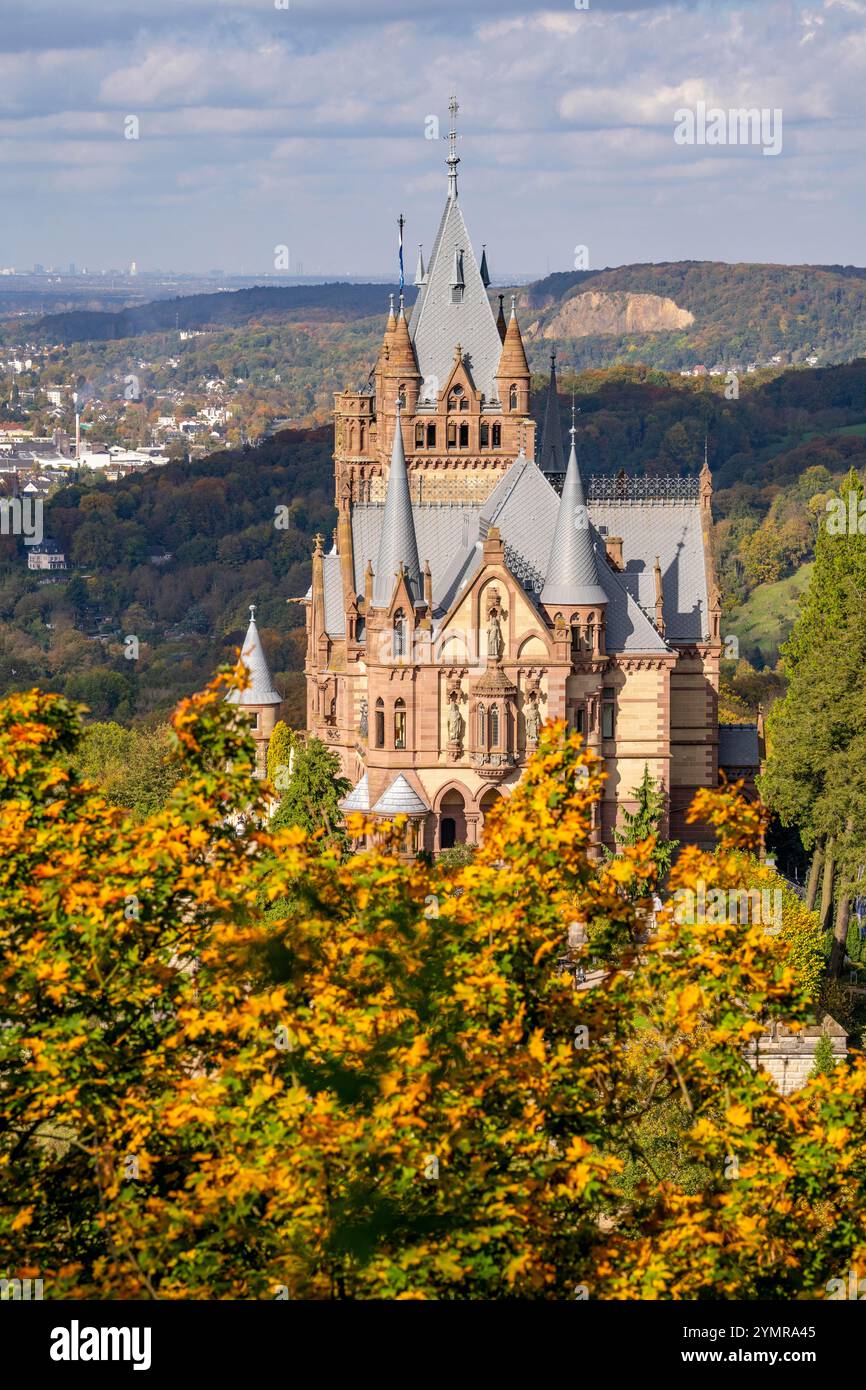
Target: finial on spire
(573,430)
(252,612)
(453,157)
(514,306)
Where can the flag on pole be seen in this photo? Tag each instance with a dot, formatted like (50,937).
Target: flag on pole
(401,224)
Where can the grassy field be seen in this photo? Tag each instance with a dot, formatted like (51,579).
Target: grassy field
(764,621)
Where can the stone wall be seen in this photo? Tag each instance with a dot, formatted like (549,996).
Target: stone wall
(789,1057)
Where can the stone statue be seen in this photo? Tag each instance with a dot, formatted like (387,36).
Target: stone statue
(455,723)
(495,645)
(532,717)
(362,722)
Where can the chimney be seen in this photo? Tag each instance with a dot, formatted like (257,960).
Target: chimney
(613,546)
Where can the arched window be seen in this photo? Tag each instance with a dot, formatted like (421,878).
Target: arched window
(497,436)
(399,724)
(399,639)
(455,400)
(361,438)
(482,727)
(494,726)
(512,398)
(447,832)
(380,724)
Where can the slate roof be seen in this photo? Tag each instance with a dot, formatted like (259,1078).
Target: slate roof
(738,746)
(397,543)
(399,799)
(572,569)
(671,530)
(358,798)
(261,690)
(437,324)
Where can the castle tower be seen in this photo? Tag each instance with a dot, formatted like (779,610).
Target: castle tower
(552,460)
(260,701)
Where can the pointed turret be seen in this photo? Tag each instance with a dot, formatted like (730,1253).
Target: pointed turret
(501,325)
(572,570)
(485,273)
(260,690)
(552,456)
(513,369)
(397,542)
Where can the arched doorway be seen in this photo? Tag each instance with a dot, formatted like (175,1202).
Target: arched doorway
(452,820)
(489,800)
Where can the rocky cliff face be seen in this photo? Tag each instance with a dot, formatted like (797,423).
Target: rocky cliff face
(613,311)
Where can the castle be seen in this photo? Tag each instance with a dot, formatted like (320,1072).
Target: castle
(477,587)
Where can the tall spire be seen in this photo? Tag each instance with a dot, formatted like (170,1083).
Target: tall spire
(260,690)
(500,321)
(552,456)
(453,157)
(572,570)
(485,273)
(398,546)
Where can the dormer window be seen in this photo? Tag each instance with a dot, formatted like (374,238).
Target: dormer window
(457,399)
(457,294)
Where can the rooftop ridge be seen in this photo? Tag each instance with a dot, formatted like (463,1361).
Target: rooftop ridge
(603,488)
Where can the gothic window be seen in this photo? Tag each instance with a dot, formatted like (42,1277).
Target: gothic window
(399,642)
(494,726)
(497,436)
(576,644)
(455,399)
(512,398)
(399,724)
(361,438)
(482,728)
(380,724)
(485,436)
(608,712)
(419,436)
(464,436)
(431,436)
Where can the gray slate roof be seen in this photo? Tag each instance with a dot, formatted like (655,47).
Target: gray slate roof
(738,746)
(525,508)
(400,800)
(397,543)
(572,570)
(437,325)
(261,690)
(358,798)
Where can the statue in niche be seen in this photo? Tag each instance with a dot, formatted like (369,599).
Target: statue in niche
(455,721)
(532,718)
(495,644)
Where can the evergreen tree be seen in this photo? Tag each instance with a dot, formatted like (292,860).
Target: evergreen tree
(824,1062)
(315,790)
(643,823)
(816,769)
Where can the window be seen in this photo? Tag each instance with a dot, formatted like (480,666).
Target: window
(455,399)
(447,832)
(399,641)
(578,719)
(361,438)
(254,720)
(456,294)
(452,434)
(401,396)
(464,436)
(419,436)
(399,724)
(431,436)
(608,711)
(512,398)
(482,729)
(494,726)
(485,436)
(380,724)
(497,436)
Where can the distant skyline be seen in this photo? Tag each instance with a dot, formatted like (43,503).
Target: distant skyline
(262,127)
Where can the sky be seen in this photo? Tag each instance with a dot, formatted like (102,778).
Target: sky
(304,124)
